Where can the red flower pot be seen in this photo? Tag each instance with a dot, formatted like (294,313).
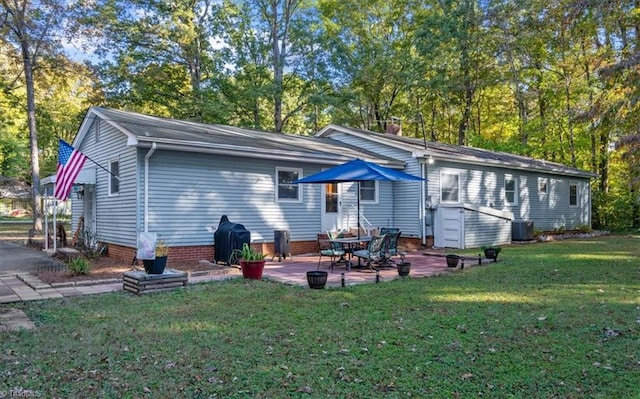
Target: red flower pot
(252,269)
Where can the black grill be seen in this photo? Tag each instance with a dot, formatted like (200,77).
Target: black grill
(227,238)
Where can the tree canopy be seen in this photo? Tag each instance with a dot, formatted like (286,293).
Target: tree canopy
(555,80)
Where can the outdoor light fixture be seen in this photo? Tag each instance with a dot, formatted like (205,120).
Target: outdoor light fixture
(80,194)
(431,160)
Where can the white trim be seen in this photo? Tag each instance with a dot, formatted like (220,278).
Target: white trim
(577,186)
(543,181)
(454,173)
(508,215)
(297,186)
(376,193)
(510,178)
(111,177)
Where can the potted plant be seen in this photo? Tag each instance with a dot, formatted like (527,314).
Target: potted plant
(251,262)
(403,267)
(452,260)
(491,252)
(157,265)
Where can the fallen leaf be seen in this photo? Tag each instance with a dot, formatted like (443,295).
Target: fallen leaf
(466,376)
(305,389)
(146,390)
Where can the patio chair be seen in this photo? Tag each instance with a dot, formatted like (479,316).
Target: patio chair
(390,248)
(373,252)
(331,249)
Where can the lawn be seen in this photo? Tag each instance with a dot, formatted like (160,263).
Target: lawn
(552,320)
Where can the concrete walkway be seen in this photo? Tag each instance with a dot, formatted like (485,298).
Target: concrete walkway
(18,284)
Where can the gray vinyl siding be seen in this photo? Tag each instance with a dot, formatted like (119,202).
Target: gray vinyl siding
(399,201)
(115,215)
(485,186)
(483,229)
(189,192)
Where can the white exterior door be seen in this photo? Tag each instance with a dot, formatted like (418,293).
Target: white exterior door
(331,204)
(449,227)
(89,206)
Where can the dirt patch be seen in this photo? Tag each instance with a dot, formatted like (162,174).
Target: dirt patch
(106,268)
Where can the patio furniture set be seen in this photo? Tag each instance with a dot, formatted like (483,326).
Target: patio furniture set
(375,251)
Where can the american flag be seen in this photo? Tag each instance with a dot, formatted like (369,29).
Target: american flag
(70,163)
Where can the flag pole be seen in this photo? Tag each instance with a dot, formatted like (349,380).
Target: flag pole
(97,164)
(101,167)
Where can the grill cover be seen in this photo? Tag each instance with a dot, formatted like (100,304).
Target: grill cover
(227,238)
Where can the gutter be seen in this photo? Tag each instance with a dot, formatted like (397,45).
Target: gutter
(291,156)
(146,186)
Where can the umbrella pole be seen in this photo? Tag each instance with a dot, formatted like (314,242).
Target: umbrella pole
(358,216)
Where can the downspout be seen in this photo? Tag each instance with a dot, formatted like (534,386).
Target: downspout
(146,186)
(423,228)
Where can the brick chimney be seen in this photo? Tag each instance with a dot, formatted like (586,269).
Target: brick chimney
(394,127)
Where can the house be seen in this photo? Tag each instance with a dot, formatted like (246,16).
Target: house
(15,197)
(475,197)
(178,178)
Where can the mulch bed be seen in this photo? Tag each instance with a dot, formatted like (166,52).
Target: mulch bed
(107,268)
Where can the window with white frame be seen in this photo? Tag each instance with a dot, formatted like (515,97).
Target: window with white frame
(96,129)
(369,191)
(286,190)
(114,177)
(573,194)
(510,190)
(542,186)
(449,187)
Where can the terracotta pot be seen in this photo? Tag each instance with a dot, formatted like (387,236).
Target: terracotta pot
(252,269)
(155,266)
(317,279)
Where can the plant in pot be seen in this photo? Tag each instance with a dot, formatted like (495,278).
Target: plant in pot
(157,265)
(452,260)
(491,252)
(403,267)
(251,262)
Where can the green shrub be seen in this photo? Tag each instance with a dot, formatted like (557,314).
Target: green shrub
(79,266)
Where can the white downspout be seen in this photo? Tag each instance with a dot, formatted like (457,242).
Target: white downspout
(423,221)
(146,186)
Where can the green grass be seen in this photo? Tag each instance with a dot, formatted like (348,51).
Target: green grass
(553,320)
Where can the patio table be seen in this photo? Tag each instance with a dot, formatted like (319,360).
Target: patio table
(348,244)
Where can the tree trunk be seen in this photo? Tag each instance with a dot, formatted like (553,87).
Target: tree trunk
(33,136)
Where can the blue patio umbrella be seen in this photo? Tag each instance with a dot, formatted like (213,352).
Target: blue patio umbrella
(357,171)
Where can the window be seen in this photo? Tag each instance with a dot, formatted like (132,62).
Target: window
(510,191)
(114,177)
(96,129)
(573,194)
(542,186)
(449,187)
(369,191)
(286,190)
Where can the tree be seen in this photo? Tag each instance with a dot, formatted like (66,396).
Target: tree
(274,40)
(454,38)
(157,56)
(373,58)
(31,28)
